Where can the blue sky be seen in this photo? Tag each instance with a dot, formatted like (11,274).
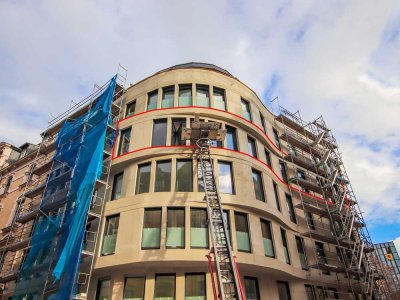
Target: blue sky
(335,58)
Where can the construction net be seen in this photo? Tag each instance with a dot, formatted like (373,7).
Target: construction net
(51,266)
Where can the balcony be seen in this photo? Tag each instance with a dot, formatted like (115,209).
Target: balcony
(38,190)
(43,166)
(56,199)
(300,143)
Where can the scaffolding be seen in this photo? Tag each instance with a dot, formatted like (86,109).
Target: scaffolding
(47,247)
(324,189)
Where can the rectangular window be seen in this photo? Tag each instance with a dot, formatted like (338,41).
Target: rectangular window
(251,288)
(258,185)
(219,98)
(283,290)
(167,99)
(321,293)
(152,100)
(302,252)
(110,235)
(124,141)
(203,95)
(332,293)
(319,247)
(134,288)
(163,176)
(267,238)
(285,246)
(242,232)
(228,224)
(164,287)
(252,146)
(276,193)
(198,228)
(231,138)
(300,174)
(200,182)
(175,228)
(159,132)
(310,220)
(263,122)
(130,109)
(184,176)
(117,186)
(282,166)
(151,228)
(103,289)
(176,131)
(225,177)
(143,178)
(185,95)
(268,158)
(246,110)
(195,286)
(292,214)
(310,292)
(276,136)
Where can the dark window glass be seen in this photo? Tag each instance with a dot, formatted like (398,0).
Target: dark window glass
(242,232)
(332,293)
(143,178)
(321,294)
(185,95)
(167,99)
(200,183)
(263,122)
(203,95)
(219,98)
(184,176)
(117,186)
(151,228)
(258,185)
(175,228)
(124,141)
(251,288)
(152,100)
(285,246)
(163,176)
(310,293)
(276,136)
(103,289)
(277,199)
(176,131)
(159,132)
(302,253)
(130,109)
(195,286)
(282,166)
(246,110)
(228,224)
(134,288)
(198,228)
(231,139)
(319,247)
(252,146)
(110,235)
(283,290)
(225,178)
(310,220)
(267,238)
(290,206)
(164,287)
(268,158)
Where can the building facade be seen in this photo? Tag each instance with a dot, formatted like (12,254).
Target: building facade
(390,258)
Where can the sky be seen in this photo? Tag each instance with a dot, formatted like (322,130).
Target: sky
(339,59)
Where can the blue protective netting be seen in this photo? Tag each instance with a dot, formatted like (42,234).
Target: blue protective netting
(53,260)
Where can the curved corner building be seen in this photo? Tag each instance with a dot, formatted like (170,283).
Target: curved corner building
(154,236)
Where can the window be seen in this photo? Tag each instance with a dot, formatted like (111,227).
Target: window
(151,228)
(130,109)
(246,110)
(251,288)
(242,232)
(310,220)
(292,150)
(332,293)
(176,131)
(103,289)
(200,182)
(258,185)
(225,178)
(282,166)
(163,176)
(319,247)
(300,174)
(252,146)
(152,100)
(310,292)
(283,290)
(167,99)
(285,246)
(185,95)
(277,199)
(292,214)
(143,178)
(117,186)
(134,288)
(276,136)
(203,95)
(219,98)
(302,253)
(110,235)
(228,224)
(159,132)
(267,238)
(195,286)
(198,228)
(175,228)
(268,158)
(321,294)
(263,122)
(231,139)
(124,141)
(164,288)
(184,176)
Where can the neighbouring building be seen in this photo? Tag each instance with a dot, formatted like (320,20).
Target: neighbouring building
(389,256)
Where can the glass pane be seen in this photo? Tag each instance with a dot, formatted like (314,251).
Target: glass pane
(285,246)
(152,103)
(276,136)
(203,95)
(184,176)
(258,186)
(198,228)
(143,179)
(300,250)
(110,235)
(168,97)
(117,187)
(164,287)
(246,110)
(185,95)
(292,213)
(252,147)
(124,141)
(267,158)
(262,122)
(267,238)
(163,176)
(130,109)
(175,228)
(251,288)
(176,131)
(151,228)
(200,183)
(225,178)
(195,287)
(242,232)
(159,132)
(103,290)
(276,192)
(134,288)
(219,98)
(283,171)
(231,141)
(283,290)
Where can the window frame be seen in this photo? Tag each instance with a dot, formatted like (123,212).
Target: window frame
(127,108)
(269,226)
(246,103)
(167,226)
(231,174)
(143,227)
(124,141)
(234,137)
(205,284)
(258,174)
(137,187)
(291,210)
(135,277)
(105,233)
(154,137)
(119,176)
(159,189)
(237,213)
(255,279)
(177,177)
(155,283)
(252,141)
(149,98)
